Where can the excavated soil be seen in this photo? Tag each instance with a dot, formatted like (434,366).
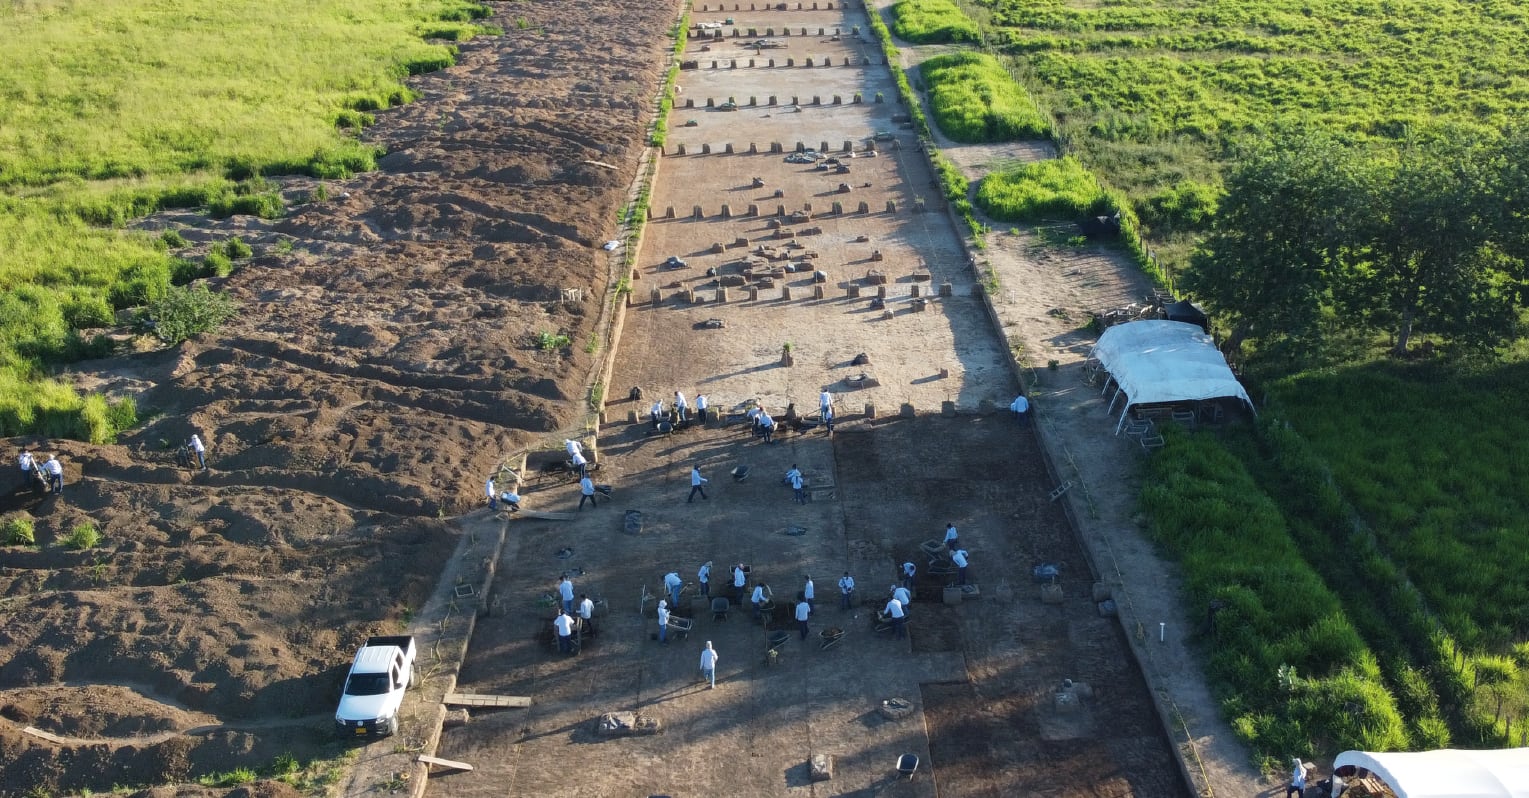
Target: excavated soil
(384,361)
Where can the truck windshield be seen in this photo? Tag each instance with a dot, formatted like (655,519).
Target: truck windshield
(366,684)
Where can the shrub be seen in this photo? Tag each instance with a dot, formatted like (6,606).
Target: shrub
(217,264)
(547,341)
(1057,188)
(83,536)
(932,21)
(183,271)
(236,249)
(974,100)
(185,312)
(172,238)
(18,531)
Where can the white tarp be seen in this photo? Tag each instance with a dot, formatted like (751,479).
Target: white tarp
(1448,773)
(1166,361)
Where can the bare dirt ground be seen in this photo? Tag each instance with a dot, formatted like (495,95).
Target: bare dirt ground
(982,677)
(386,363)
(380,369)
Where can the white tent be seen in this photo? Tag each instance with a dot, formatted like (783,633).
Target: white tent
(1163,362)
(1448,773)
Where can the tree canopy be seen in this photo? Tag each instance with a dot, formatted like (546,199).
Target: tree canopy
(1317,238)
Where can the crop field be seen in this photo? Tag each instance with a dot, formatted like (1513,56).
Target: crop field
(102,129)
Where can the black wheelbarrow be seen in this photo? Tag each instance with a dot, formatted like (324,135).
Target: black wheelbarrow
(906,765)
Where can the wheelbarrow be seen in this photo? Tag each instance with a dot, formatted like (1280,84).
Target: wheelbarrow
(906,765)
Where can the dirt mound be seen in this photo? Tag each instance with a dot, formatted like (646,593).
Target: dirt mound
(386,360)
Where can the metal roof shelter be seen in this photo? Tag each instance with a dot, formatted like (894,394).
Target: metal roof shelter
(1447,773)
(1162,362)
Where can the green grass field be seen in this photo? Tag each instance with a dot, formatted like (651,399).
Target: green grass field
(1149,93)
(114,110)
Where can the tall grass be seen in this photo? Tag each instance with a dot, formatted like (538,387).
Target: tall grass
(932,21)
(1061,188)
(975,100)
(1292,673)
(115,110)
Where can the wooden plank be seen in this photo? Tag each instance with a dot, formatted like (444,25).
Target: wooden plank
(445,763)
(543,515)
(484,700)
(49,736)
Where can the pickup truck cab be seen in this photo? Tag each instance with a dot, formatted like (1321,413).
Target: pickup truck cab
(382,670)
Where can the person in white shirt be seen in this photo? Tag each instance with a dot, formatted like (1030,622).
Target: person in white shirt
(847,590)
(580,465)
(200,448)
(791,474)
(902,595)
(658,412)
(758,599)
(740,579)
(709,666)
(674,584)
(767,426)
(894,611)
(26,462)
(701,404)
(55,473)
(493,496)
(565,591)
(573,447)
(681,407)
(952,540)
(825,402)
(798,492)
(663,622)
(587,493)
(809,594)
(803,612)
(703,578)
(697,484)
(1021,408)
(511,500)
(563,625)
(959,558)
(909,569)
(587,613)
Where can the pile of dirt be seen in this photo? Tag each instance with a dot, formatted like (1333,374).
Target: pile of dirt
(386,361)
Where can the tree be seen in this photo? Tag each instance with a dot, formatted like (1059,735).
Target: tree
(1286,222)
(1435,262)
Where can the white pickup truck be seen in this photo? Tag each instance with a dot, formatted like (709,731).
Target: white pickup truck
(374,688)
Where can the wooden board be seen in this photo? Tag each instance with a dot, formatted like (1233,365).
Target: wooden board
(543,515)
(483,700)
(49,736)
(445,763)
